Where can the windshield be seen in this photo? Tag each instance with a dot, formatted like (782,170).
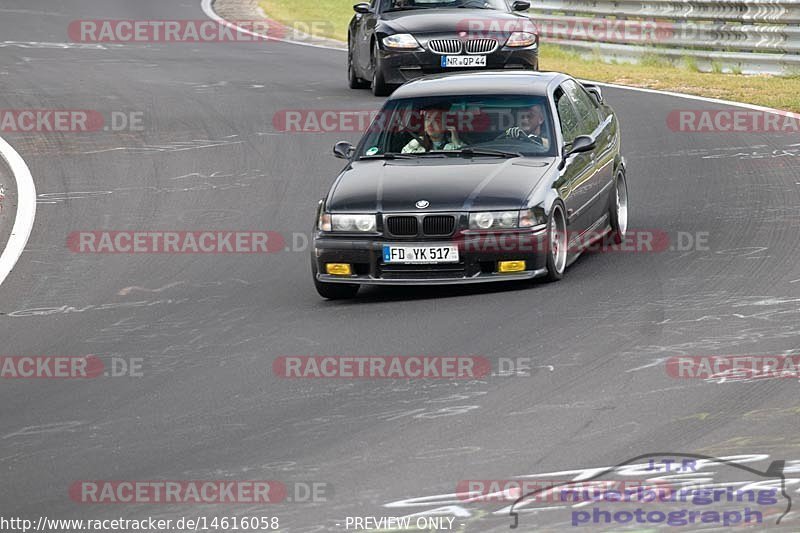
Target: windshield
(449,125)
(397,5)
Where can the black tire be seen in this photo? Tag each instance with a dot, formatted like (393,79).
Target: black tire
(379,85)
(556,255)
(618,209)
(336,291)
(352,80)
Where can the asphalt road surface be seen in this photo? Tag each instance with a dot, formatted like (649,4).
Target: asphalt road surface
(205,404)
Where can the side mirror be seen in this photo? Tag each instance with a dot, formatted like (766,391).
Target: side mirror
(520,5)
(595,91)
(362,8)
(581,144)
(343,150)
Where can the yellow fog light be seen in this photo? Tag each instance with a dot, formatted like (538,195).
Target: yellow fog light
(339,269)
(511,266)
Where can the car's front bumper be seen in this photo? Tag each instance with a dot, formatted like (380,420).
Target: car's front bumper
(401,66)
(478,259)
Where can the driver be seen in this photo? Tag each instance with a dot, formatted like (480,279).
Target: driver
(530,126)
(437,135)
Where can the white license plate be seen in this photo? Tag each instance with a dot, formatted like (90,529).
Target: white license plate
(463,61)
(420,255)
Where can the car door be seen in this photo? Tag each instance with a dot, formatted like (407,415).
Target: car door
(576,168)
(594,187)
(365,27)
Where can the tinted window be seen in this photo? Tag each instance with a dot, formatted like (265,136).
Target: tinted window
(517,123)
(389,5)
(570,123)
(584,106)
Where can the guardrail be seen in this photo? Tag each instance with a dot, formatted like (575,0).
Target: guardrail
(748,36)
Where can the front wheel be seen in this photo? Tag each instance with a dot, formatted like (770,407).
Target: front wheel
(618,211)
(557,243)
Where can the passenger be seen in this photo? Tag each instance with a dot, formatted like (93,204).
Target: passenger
(530,126)
(437,135)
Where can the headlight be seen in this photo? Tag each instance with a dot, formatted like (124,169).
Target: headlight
(532,218)
(520,39)
(347,222)
(493,220)
(401,41)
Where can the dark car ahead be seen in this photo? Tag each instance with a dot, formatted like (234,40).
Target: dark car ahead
(469,178)
(391,42)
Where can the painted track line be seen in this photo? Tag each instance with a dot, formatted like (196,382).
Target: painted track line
(26,209)
(208,9)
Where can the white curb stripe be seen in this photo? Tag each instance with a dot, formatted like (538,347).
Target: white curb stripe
(26,209)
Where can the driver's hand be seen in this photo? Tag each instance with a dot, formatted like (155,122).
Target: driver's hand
(454,138)
(515,132)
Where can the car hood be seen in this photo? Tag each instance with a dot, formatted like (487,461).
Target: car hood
(451,21)
(448,185)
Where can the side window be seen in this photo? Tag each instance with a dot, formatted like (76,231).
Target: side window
(570,123)
(587,111)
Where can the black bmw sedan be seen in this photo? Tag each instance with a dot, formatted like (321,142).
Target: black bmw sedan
(393,41)
(470,178)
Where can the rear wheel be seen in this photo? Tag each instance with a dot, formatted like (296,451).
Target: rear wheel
(618,211)
(353,80)
(557,243)
(379,85)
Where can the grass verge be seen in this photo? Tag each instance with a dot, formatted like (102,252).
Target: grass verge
(654,72)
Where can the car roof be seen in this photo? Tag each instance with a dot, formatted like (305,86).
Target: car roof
(481,82)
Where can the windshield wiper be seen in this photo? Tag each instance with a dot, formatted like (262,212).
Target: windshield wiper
(388,155)
(406,8)
(471,152)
